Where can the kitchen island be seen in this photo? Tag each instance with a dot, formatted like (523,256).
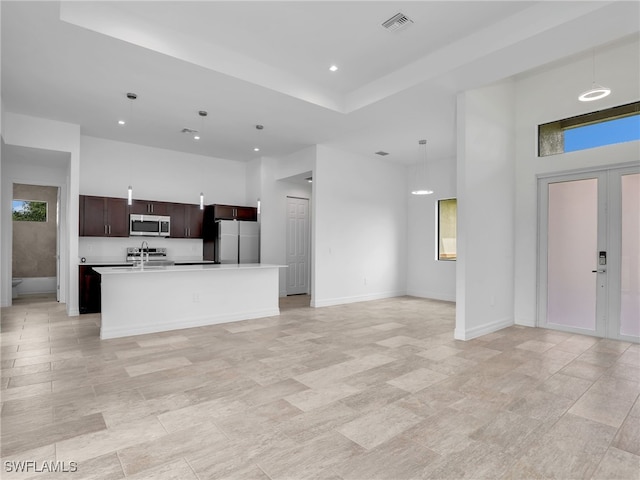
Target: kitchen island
(160,298)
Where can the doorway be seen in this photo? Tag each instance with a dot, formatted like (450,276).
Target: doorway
(35,240)
(589,253)
(298,258)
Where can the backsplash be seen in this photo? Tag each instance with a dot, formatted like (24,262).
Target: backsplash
(103,249)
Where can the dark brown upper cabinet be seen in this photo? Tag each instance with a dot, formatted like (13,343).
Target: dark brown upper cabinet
(149,207)
(234,212)
(186,220)
(103,217)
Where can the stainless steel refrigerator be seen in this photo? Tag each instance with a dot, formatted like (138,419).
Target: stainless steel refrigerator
(237,242)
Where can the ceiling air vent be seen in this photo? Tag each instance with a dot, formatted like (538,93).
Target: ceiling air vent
(382,154)
(398,21)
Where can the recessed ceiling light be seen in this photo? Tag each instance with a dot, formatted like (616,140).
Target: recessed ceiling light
(121,122)
(196,137)
(256,149)
(333,68)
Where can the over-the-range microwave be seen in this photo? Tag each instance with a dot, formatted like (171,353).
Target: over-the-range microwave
(149,225)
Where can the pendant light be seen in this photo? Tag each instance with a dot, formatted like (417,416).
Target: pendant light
(131,97)
(197,135)
(596,92)
(422,188)
(202,113)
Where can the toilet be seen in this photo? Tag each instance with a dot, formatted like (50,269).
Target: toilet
(14,287)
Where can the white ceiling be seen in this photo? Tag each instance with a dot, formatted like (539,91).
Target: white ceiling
(266,62)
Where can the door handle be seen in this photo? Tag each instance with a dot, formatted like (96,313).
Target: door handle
(604,270)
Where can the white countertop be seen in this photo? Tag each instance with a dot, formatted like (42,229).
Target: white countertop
(184,268)
(93,263)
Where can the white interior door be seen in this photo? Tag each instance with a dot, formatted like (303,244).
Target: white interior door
(298,259)
(588,253)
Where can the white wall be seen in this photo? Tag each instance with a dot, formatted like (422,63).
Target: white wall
(32,132)
(114,249)
(426,276)
(108,167)
(275,186)
(549,95)
(485,187)
(253,181)
(360,223)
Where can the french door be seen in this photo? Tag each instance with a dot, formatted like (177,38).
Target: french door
(589,253)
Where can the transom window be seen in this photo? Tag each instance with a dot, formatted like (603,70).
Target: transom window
(604,127)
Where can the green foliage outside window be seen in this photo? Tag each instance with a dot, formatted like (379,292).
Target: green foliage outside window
(29,211)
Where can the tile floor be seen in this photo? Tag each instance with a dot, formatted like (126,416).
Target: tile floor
(375,390)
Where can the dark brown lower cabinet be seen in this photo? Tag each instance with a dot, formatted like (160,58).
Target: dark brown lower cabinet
(89,282)
(90,296)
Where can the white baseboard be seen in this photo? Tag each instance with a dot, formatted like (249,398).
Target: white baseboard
(178,324)
(328,302)
(526,322)
(433,295)
(480,330)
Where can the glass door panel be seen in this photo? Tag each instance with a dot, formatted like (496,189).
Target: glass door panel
(572,245)
(630,256)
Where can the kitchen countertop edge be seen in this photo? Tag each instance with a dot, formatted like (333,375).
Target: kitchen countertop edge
(124,264)
(106,270)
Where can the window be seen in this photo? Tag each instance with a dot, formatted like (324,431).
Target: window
(605,127)
(447,218)
(29,211)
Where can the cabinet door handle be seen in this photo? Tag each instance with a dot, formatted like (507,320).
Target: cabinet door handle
(152,208)
(109,229)
(105,229)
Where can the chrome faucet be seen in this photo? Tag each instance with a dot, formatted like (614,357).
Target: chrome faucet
(144,242)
